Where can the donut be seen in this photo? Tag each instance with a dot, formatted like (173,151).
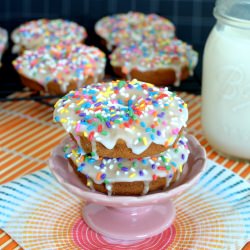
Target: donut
(34,34)
(57,69)
(162,63)
(134,27)
(3,42)
(128,119)
(121,176)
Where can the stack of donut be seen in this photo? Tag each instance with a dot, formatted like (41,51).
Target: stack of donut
(126,137)
(145,47)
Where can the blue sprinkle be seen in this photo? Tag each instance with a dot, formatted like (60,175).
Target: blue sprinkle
(103,176)
(82,114)
(173,163)
(152,137)
(153,166)
(98,104)
(130,102)
(87,105)
(158,132)
(91,160)
(143,124)
(141,173)
(102,165)
(148,129)
(144,161)
(90,127)
(182,156)
(125,169)
(57,118)
(108,124)
(80,168)
(161,114)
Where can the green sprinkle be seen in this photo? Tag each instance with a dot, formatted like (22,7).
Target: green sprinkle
(106,181)
(163,158)
(117,121)
(104,132)
(134,164)
(168,167)
(119,165)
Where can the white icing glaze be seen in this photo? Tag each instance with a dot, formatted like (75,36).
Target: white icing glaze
(133,27)
(111,170)
(3,41)
(62,64)
(137,112)
(37,33)
(171,54)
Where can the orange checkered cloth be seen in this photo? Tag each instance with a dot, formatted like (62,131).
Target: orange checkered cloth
(28,134)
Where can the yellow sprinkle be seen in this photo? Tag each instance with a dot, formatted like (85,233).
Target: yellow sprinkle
(132,175)
(85,134)
(185,105)
(63,120)
(89,183)
(180,168)
(170,140)
(80,102)
(144,139)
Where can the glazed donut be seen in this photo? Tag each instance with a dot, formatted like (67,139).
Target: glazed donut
(122,119)
(120,176)
(37,33)
(133,27)
(161,63)
(57,69)
(3,42)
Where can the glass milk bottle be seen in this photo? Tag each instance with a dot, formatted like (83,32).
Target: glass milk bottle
(226,80)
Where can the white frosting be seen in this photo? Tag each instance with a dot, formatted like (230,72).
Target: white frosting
(133,27)
(171,54)
(62,64)
(137,112)
(111,170)
(37,33)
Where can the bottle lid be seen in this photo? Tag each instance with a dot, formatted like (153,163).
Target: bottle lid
(234,12)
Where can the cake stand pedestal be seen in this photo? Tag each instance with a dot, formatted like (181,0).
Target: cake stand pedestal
(129,217)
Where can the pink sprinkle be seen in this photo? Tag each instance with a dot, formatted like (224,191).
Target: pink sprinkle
(78,126)
(175,131)
(164,123)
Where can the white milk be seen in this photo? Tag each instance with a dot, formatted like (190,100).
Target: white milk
(226,90)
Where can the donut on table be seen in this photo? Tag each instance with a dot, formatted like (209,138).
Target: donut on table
(128,119)
(121,176)
(57,69)
(162,62)
(3,42)
(133,27)
(37,33)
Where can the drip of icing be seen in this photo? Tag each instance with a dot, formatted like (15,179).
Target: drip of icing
(109,188)
(90,184)
(134,111)
(146,187)
(111,170)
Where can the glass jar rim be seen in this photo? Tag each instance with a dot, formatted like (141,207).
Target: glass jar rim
(233,21)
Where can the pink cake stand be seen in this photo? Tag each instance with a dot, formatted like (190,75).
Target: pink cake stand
(129,217)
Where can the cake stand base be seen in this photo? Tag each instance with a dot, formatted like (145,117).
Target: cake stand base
(130,223)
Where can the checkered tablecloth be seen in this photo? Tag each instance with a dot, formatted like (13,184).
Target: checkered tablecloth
(28,134)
